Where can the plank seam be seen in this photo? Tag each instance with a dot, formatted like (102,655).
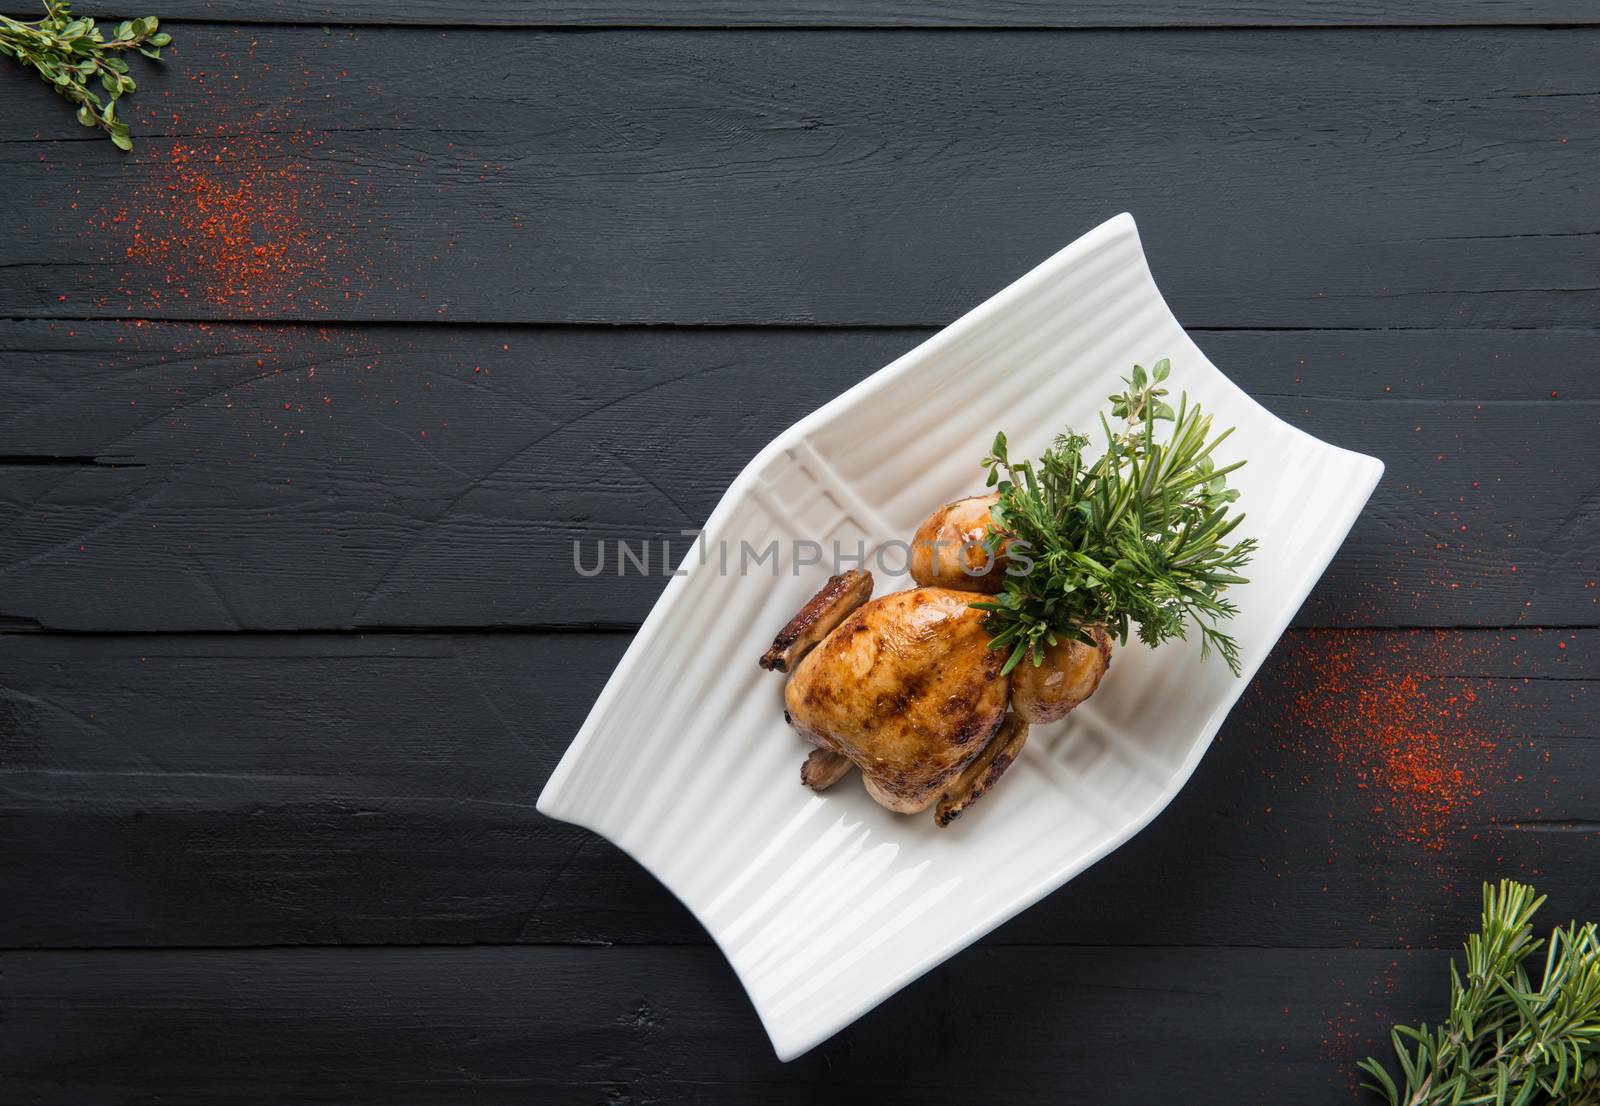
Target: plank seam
(911,328)
(70,950)
(881,25)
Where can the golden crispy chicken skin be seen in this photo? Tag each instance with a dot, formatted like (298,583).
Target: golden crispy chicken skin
(1070,673)
(907,689)
(948,551)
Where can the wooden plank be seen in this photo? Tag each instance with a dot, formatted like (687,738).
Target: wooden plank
(295,477)
(1282,178)
(318,789)
(892,13)
(660,1025)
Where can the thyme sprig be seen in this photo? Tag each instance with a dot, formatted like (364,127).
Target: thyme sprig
(1135,537)
(1506,1041)
(70,54)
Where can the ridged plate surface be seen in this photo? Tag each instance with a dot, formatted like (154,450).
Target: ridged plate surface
(827,904)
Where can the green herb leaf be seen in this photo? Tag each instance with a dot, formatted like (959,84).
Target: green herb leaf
(69,53)
(1505,1040)
(1134,538)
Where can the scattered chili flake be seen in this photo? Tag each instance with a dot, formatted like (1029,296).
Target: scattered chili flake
(1372,710)
(237,212)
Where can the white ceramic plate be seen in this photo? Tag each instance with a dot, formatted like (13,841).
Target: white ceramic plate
(828,904)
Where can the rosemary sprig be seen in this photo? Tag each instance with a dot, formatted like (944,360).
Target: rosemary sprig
(1138,536)
(71,53)
(1506,1041)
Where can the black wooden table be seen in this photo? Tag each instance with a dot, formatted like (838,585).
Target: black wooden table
(303,403)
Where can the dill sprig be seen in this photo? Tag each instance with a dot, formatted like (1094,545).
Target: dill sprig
(1135,537)
(1506,1041)
(71,53)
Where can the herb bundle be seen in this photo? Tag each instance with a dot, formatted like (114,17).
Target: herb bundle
(70,54)
(1138,536)
(1506,1041)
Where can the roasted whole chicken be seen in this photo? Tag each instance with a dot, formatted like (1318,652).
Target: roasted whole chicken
(905,686)
(930,691)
